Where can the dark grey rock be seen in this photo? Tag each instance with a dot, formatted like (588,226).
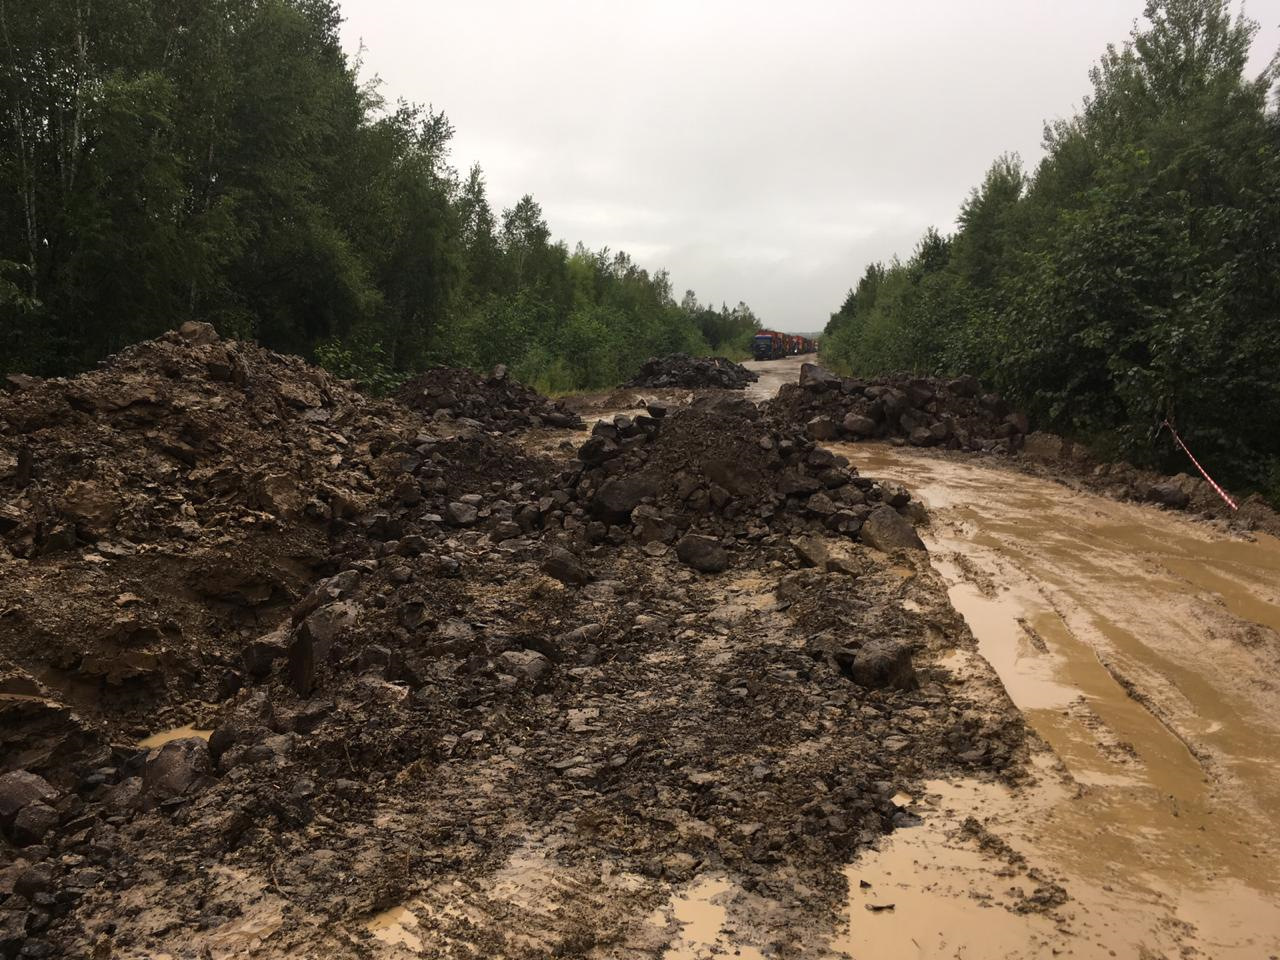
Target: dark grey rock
(702,553)
(887,530)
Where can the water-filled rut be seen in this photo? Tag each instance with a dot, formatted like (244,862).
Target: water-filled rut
(1142,648)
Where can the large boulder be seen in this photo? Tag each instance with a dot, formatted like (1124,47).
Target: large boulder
(175,768)
(814,377)
(618,496)
(811,552)
(565,567)
(859,426)
(19,788)
(702,553)
(887,530)
(821,428)
(1169,493)
(884,664)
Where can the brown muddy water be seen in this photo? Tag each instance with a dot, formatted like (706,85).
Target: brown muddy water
(176,733)
(1142,647)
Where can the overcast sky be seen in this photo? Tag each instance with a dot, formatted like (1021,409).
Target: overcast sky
(763,152)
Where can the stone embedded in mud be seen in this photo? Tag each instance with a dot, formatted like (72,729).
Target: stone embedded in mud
(1169,494)
(887,531)
(702,553)
(821,428)
(739,479)
(175,768)
(91,506)
(618,496)
(528,665)
(565,567)
(894,494)
(33,823)
(460,514)
(259,655)
(884,663)
(327,626)
(814,377)
(302,663)
(19,788)
(811,551)
(652,525)
(921,437)
(597,450)
(197,333)
(857,425)
(34,880)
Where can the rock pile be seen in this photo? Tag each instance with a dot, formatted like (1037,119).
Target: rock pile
(179,439)
(682,370)
(402,644)
(496,402)
(718,473)
(921,411)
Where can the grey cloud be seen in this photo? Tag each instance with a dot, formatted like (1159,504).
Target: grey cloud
(760,151)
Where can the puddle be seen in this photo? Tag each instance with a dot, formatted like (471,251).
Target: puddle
(703,917)
(1141,647)
(392,927)
(950,898)
(177,733)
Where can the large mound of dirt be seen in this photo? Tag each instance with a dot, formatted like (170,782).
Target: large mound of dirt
(682,370)
(420,662)
(922,411)
(718,469)
(495,402)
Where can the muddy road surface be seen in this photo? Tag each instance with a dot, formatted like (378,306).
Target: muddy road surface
(288,672)
(1142,648)
(774,373)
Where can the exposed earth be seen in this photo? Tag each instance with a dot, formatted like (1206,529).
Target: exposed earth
(288,672)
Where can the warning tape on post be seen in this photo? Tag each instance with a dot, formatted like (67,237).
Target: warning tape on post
(1204,473)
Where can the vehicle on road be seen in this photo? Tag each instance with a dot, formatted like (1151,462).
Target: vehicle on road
(769,345)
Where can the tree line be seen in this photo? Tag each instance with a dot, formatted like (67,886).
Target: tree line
(221,160)
(1132,276)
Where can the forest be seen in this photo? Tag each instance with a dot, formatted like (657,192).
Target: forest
(1132,276)
(224,161)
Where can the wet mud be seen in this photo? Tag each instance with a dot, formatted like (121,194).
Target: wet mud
(1140,646)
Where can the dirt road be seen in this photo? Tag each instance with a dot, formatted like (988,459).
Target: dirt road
(774,373)
(1142,648)
(365,680)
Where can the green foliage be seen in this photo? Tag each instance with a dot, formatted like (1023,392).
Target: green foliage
(1135,275)
(166,161)
(362,360)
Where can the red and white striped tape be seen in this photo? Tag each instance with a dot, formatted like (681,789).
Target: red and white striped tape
(1222,493)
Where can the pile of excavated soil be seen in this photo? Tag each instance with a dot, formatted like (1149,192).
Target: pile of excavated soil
(1053,457)
(457,671)
(157,512)
(717,473)
(921,411)
(495,402)
(682,370)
